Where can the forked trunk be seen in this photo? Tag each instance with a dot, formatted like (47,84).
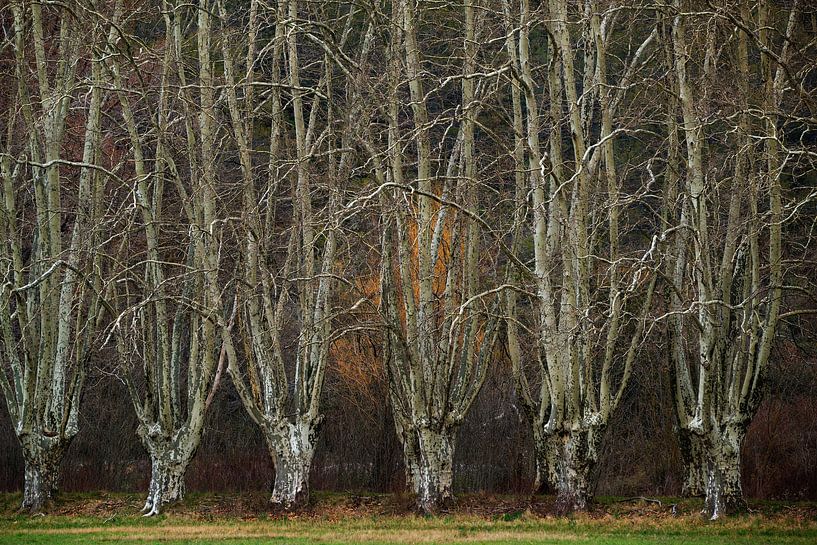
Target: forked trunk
(168,468)
(693,457)
(42,471)
(435,470)
(572,457)
(724,493)
(292,447)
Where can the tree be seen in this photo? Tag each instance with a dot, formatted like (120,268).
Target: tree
(590,292)
(50,214)
(173,334)
(278,288)
(727,276)
(440,329)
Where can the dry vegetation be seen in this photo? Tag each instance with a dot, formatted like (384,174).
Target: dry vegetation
(333,518)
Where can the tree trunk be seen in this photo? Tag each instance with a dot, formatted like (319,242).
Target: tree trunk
(168,468)
(724,493)
(42,471)
(292,446)
(436,469)
(540,451)
(693,457)
(411,459)
(572,456)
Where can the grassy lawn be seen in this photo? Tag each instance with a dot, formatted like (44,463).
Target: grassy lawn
(112,518)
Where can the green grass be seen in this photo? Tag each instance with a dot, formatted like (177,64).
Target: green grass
(204,519)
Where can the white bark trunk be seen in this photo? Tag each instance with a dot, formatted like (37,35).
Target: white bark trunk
(435,469)
(572,456)
(292,447)
(166,481)
(42,471)
(169,460)
(724,493)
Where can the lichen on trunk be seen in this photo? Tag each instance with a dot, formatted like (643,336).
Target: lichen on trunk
(411,456)
(292,447)
(541,483)
(166,482)
(169,459)
(43,457)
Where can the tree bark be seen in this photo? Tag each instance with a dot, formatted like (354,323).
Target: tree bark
(292,447)
(572,456)
(166,481)
(411,456)
(693,457)
(43,458)
(724,493)
(541,483)
(435,469)
(169,460)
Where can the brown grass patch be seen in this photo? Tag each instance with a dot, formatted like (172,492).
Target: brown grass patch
(351,535)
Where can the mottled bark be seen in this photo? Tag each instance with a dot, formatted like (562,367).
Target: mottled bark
(169,459)
(292,447)
(166,480)
(43,457)
(693,457)
(572,456)
(435,469)
(411,455)
(724,493)
(541,483)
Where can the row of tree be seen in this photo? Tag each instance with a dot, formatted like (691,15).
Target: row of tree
(232,187)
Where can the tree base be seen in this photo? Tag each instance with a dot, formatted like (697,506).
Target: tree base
(292,447)
(42,473)
(571,459)
(435,470)
(166,484)
(712,468)
(693,456)
(724,494)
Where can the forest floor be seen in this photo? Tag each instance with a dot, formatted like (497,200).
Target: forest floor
(386,519)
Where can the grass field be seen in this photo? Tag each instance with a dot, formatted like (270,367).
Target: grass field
(346,519)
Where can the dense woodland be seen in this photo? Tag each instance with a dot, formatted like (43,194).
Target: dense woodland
(513,246)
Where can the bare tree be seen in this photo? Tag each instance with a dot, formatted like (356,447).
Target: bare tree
(277,288)
(727,266)
(50,215)
(168,329)
(591,295)
(440,331)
